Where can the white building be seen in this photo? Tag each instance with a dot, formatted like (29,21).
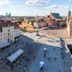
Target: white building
(8,32)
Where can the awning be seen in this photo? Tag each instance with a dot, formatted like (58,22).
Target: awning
(15,55)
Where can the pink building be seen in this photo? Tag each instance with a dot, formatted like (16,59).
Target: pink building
(52,20)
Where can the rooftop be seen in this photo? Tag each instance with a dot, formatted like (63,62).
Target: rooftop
(56,15)
(13,57)
(44,39)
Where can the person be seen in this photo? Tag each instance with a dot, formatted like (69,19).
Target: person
(25,68)
(11,67)
(45,52)
(41,66)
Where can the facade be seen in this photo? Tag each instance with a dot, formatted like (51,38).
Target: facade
(35,24)
(52,20)
(39,22)
(27,26)
(8,32)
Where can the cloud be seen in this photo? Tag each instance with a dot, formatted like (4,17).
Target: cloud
(51,6)
(31,1)
(3,2)
(37,2)
(63,10)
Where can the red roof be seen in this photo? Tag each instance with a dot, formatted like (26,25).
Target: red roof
(50,16)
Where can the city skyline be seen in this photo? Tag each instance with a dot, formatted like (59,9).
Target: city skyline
(34,7)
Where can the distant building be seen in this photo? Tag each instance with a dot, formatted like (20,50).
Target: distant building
(52,20)
(36,22)
(35,25)
(56,16)
(27,26)
(8,15)
(9,32)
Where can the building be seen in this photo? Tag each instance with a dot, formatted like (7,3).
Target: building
(69,23)
(9,32)
(27,26)
(52,20)
(56,16)
(39,22)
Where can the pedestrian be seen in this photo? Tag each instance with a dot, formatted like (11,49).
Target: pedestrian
(41,66)
(25,68)
(45,52)
(44,55)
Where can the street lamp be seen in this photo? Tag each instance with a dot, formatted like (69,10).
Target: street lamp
(37,25)
(37,30)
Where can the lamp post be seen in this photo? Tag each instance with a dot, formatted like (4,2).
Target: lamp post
(37,30)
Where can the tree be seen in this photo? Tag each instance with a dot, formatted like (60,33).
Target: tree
(62,24)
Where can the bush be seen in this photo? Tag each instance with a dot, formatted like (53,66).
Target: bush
(62,25)
(23,29)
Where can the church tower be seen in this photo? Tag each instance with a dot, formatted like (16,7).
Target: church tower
(69,24)
(69,13)
(69,16)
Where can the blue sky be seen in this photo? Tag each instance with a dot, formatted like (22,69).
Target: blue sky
(34,7)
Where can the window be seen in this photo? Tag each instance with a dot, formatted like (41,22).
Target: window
(1,38)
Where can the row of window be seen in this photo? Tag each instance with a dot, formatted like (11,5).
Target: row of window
(5,37)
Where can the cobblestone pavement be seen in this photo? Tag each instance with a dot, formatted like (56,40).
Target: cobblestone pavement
(62,33)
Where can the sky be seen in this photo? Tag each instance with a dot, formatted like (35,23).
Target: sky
(35,7)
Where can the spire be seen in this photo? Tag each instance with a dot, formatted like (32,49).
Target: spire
(69,13)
